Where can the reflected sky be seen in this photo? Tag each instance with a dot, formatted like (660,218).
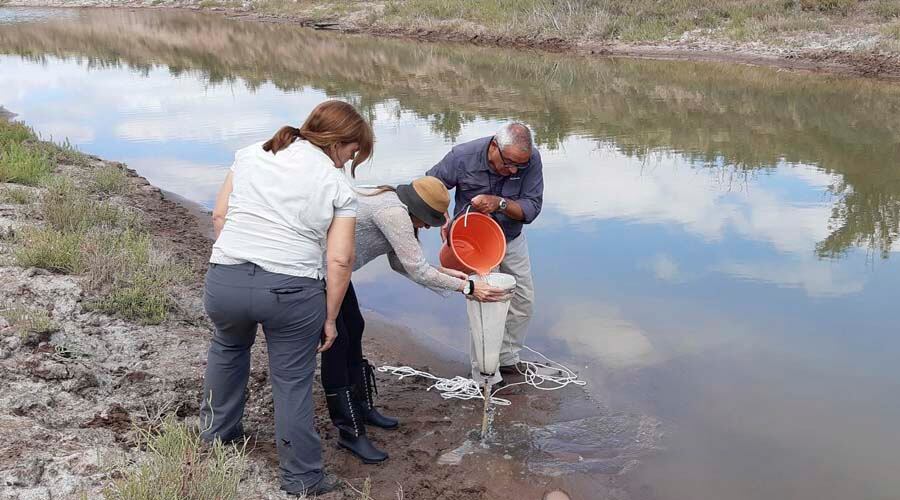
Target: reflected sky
(718,278)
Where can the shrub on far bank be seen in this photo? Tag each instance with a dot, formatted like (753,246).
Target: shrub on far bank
(833,6)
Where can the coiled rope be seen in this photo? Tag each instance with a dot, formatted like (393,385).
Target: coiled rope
(463,388)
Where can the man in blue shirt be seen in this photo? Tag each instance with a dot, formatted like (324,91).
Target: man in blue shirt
(502,176)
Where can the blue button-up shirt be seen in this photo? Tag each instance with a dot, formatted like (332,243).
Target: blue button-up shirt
(466,168)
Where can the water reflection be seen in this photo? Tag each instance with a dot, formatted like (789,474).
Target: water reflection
(714,116)
(708,252)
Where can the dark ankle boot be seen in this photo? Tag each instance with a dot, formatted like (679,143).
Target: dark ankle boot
(363,377)
(347,416)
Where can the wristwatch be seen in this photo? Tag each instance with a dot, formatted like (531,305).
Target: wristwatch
(470,288)
(503,204)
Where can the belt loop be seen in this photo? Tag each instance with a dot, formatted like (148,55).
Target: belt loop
(252,269)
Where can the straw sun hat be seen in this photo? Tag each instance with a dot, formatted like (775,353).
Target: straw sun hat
(427,199)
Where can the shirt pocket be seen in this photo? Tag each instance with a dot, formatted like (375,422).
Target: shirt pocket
(473,187)
(512,188)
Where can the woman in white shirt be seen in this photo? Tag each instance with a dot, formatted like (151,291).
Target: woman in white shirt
(282,204)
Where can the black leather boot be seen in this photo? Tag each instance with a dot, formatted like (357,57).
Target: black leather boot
(363,377)
(347,416)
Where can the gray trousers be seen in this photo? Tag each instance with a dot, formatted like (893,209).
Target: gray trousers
(291,311)
(517,263)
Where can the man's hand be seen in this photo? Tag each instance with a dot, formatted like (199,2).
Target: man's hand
(329,333)
(486,203)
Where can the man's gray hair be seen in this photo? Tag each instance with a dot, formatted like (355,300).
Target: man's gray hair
(514,134)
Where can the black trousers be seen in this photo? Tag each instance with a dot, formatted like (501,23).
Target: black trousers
(345,355)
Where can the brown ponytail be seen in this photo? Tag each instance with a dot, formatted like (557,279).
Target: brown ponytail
(330,124)
(282,139)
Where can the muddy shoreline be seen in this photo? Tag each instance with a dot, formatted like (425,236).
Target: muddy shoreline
(868,63)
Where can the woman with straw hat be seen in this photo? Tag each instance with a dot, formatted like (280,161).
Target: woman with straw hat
(388,221)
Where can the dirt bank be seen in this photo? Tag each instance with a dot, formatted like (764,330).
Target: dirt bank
(855,46)
(74,391)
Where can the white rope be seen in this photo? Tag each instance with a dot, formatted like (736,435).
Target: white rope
(465,388)
(450,388)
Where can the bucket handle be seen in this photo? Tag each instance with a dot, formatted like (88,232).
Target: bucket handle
(466,217)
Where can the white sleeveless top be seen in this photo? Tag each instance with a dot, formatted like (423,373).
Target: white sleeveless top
(280,209)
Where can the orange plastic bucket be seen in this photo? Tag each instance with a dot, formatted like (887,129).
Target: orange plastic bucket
(476,244)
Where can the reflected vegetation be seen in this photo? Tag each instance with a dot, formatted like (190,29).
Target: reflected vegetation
(741,120)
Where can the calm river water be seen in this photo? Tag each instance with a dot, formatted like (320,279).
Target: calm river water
(715,251)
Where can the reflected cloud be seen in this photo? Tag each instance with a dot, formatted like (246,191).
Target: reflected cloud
(665,268)
(599,332)
(195,181)
(817,279)
(604,184)
(76,133)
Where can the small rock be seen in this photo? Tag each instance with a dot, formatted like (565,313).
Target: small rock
(82,380)
(36,339)
(48,370)
(27,475)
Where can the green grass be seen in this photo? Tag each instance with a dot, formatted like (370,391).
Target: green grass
(16,196)
(109,180)
(137,276)
(81,234)
(892,31)
(23,165)
(142,301)
(14,133)
(26,320)
(178,465)
(887,9)
(50,249)
(66,207)
(830,6)
(132,278)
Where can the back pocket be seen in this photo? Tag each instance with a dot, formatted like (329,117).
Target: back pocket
(291,293)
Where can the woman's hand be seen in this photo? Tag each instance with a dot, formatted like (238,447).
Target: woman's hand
(329,334)
(453,272)
(487,293)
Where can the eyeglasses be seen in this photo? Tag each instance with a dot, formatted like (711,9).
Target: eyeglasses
(507,163)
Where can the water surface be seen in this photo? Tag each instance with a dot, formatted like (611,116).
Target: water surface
(716,252)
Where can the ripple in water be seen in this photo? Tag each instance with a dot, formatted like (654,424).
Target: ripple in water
(605,444)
